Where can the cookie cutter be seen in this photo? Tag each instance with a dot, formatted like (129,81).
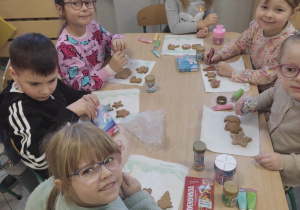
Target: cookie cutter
(221,100)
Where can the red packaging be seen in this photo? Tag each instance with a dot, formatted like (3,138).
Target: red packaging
(198,194)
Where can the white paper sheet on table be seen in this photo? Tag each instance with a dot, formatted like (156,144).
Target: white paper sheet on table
(180,40)
(226,84)
(160,176)
(217,139)
(130,99)
(133,64)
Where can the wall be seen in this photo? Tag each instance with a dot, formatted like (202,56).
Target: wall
(119,16)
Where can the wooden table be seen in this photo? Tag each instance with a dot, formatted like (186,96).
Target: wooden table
(182,96)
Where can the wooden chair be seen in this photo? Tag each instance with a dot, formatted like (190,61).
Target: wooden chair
(38,16)
(152,15)
(295,21)
(6,77)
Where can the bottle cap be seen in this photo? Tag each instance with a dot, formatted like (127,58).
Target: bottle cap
(200,49)
(199,146)
(150,78)
(231,188)
(219,30)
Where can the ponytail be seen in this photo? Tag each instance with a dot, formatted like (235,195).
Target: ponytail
(52,199)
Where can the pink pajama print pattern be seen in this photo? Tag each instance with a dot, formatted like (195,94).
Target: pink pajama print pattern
(81,59)
(263,51)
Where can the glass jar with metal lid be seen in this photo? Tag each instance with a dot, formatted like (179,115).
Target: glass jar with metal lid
(199,148)
(150,83)
(200,54)
(230,193)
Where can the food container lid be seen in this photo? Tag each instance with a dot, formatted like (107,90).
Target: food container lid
(219,30)
(199,146)
(231,188)
(150,78)
(225,162)
(200,49)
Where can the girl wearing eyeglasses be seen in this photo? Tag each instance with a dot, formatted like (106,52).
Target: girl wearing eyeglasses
(283,125)
(262,41)
(85,164)
(88,54)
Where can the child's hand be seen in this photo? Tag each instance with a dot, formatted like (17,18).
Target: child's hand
(129,185)
(272,161)
(87,105)
(211,19)
(118,61)
(214,59)
(224,69)
(119,44)
(202,32)
(238,106)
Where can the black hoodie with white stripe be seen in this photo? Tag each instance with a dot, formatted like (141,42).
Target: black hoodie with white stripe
(28,121)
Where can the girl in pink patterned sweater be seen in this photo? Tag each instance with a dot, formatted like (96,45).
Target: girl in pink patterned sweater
(262,40)
(88,54)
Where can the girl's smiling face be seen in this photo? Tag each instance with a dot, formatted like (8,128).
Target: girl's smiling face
(273,16)
(291,55)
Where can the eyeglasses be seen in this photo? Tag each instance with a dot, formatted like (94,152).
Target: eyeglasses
(289,70)
(77,4)
(91,173)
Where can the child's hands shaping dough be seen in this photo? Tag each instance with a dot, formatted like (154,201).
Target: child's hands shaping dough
(211,19)
(117,61)
(119,44)
(272,161)
(129,185)
(202,32)
(87,105)
(224,69)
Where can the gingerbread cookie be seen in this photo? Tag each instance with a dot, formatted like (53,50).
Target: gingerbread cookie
(195,46)
(148,190)
(215,83)
(142,69)
(135,80)
(232,118)
(117,104)
(210,68)
(108,107)
(210,74)
(233,127)
(240,139)
(172,47)
(186,46)
(123,74)
(122,113)
(165,201)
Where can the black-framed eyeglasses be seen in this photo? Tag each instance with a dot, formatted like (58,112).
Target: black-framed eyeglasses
(77,4)
(91,173)
(289,70)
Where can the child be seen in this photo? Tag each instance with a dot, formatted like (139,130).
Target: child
(284,120)
(35,101)
(85,164)
(190,16)
(262,40)
(84,47)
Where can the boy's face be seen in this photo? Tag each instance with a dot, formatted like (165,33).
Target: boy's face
(291,56)
(35,86)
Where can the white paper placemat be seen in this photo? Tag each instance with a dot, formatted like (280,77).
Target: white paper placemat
(130,99)
(226,84)
(217,139)
(133,64)
(180,40)
(160,176)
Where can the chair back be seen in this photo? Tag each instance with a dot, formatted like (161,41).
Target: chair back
(6,77)
(30,16)
(152,15)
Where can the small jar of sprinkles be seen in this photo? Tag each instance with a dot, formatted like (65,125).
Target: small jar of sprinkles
(199,148)
(200,54)
(230,193)
(225,167)
(150,83)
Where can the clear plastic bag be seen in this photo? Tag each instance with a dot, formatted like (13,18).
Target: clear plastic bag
(148,127)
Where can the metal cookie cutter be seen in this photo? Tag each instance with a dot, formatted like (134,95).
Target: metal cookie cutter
(221,100)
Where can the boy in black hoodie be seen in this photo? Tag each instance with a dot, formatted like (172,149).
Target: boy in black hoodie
(35,101)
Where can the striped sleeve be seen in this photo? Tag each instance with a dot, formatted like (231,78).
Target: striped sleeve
(26,134)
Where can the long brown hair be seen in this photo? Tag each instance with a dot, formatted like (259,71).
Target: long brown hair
(65,148)
(186,3)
